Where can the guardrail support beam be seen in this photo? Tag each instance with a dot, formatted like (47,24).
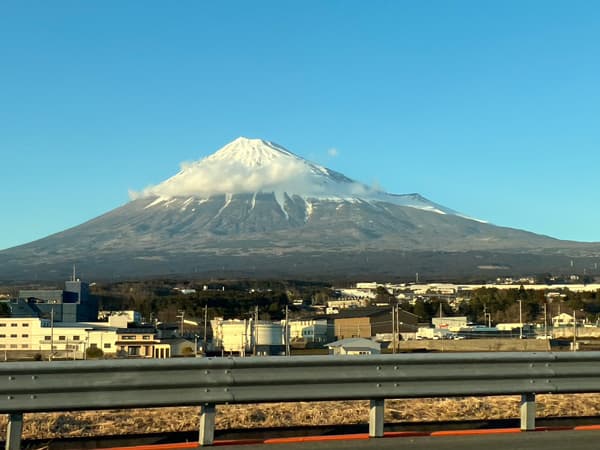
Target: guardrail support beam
(376,409)
(528,412)
(14,431)
(207,424)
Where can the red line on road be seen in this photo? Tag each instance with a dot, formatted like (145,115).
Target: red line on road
(353,437)
(475,432)
(337,437)
(587,427)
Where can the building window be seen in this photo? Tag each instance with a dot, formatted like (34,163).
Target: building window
(146,338)
(13,345)
(128,338)
(24,324)
(13,335)
(2,346)
(62,338)
(106,345)
(2,324)
(75,338)
(25,346)
(92,345)
(2,335)
(24,335)
(14,324)
(47,338)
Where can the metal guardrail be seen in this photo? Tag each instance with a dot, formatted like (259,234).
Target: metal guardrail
(207,382)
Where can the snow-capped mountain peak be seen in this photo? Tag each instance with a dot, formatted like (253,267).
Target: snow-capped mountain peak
(251,166)
(252,152)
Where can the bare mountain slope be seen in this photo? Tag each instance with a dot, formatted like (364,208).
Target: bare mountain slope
(253,206)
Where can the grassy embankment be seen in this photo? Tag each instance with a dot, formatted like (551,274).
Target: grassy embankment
(96,423)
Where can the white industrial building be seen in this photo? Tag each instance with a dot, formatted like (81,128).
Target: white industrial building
(450,323)
(248,337)
(35,335)
(308,330)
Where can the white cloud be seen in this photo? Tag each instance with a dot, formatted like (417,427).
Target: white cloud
(333,152)
(206,178)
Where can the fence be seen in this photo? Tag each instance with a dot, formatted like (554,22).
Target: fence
(207,382)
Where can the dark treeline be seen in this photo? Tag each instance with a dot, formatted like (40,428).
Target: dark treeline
(228,299)
(238,299)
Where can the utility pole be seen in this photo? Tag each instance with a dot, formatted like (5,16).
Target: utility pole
(51,334)
(287,332)
(393,328)
(574,331)
(545,320)
(205,326)
(520,319)
(398,323)
(255,330)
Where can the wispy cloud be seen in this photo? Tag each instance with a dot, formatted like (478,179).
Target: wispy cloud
(333,152)
(205,178)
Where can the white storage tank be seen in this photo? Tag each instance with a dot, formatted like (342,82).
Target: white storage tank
(269,334)
(236,336)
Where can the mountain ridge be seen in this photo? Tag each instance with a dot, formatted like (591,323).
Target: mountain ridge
(243,208)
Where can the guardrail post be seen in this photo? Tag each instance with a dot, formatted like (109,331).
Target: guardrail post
(207,424)
(528,412)
(376,409)
(14,431)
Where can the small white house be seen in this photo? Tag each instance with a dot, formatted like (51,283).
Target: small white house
(354,346)
(562,320)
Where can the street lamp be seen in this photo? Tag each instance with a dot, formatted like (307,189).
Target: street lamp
(487,316)
(181,316)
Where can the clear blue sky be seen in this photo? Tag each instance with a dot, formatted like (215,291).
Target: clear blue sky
(491,108)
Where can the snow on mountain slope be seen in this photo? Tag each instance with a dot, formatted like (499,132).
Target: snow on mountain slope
(249,166)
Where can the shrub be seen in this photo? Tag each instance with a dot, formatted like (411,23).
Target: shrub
(94,352)
(187,351)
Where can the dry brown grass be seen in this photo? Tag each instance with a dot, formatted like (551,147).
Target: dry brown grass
(114,422)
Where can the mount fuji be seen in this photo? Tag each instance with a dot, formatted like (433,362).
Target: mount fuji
(255,166)
(254,208)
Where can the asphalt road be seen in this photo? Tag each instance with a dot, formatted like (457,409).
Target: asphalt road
(539,440)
